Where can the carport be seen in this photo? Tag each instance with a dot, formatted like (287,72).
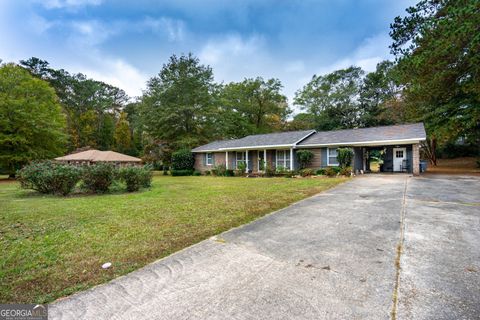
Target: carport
(396,158)
(399,146)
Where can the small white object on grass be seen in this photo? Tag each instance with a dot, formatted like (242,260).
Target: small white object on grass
(106,265)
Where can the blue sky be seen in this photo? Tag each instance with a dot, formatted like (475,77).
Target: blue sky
(126,42)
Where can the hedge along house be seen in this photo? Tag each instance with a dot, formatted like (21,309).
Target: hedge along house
(399,145)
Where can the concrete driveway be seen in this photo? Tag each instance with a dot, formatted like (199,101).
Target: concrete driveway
(332,256)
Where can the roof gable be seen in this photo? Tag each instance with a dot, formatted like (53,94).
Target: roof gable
(288,138)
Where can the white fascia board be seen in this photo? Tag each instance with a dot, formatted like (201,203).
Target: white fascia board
(206,151)
(257,147)
(308,135)
(366,143)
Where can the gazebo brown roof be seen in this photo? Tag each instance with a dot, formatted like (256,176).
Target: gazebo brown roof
(98,156)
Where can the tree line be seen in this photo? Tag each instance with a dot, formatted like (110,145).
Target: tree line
(434,78)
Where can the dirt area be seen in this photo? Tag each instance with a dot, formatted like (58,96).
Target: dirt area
(466,165)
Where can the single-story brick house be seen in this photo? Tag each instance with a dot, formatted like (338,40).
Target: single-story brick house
(400,144)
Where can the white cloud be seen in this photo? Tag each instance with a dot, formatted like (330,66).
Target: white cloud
(39,24)
(295,66)
(174,29)
(233,57)
(116,72)
(71,4)
(90,32)
(370,52)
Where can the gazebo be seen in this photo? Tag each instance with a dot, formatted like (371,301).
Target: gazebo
(93,156)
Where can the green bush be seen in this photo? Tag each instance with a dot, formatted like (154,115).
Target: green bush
(49,177)
(281,169)
(132,176)
(320,172)
(307,172)
(197,173)
(208,172)
(219,170)
(241,168)
(177,173)
(289,174)
(269,171)
(183,160)
(229,173)
(146,176)
(452,150)
(99,177)
(304,157)
(344,157)
(330,172)
(347,171)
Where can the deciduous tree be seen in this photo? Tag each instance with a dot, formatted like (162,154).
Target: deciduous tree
(31,121)
(437,46)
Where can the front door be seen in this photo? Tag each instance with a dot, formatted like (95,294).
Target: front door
(399,155)
(261,161)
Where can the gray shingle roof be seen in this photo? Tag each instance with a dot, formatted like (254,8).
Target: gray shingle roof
(258,140)
(395,132)
(310,137)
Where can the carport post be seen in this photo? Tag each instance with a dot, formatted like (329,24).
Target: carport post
(246,158)
(226,160)
(416,159)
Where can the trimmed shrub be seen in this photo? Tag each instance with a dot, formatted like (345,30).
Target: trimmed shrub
(146,176)
(219,170)
(269,171)
(289,174)
(49,177)
(178,173)
(229,173)
(320,172)
(132,176)
(197,173)
(347,171)
(241,169)
(307,172)
(208,172)
(304,157)
(344,157)
(330,172)
(183,160)
(98,178)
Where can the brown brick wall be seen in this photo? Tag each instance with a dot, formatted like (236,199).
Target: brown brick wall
(416,159)
(219,158)
(317,158)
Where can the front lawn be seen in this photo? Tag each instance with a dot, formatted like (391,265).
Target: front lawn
(53,246)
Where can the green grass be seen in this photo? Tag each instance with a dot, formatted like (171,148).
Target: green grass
(53,246)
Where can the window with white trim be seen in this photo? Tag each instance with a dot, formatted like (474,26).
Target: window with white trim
(240,158)
(332,157)
(283,159)
(209,159)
